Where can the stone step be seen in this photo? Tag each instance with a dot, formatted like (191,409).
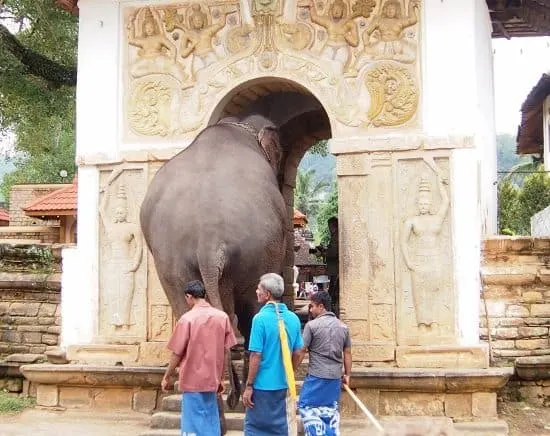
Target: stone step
(482,428)
(176,432)
(172,420)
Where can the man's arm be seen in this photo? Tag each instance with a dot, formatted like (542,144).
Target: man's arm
(171,370)
(347,364)
(253,366)
(299,354)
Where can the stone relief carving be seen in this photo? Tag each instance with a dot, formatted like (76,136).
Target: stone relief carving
(358,55)
(122,254)
(424,242)
(394,95)
(160,322)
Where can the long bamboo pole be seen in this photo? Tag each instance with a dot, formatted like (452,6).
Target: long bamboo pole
(364,409)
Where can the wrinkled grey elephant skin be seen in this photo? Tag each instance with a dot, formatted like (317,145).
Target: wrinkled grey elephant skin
(215,212)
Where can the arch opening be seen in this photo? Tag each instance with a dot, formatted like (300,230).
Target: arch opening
(297,135)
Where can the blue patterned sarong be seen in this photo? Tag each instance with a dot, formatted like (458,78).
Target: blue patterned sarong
(318,406)
(199,414)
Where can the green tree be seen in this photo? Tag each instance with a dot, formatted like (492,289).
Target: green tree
(38,42)
(533,197)
(308,192)
(326,211)
(508,208)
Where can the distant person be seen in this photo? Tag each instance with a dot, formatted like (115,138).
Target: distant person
(327,340)
(202,337)
(331,258)
(265,395)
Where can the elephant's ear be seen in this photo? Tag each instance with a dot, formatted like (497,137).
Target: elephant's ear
(268,138)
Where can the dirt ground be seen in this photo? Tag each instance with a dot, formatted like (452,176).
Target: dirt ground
(525,419)
(522,419)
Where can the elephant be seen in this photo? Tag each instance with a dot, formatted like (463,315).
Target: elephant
(215,211)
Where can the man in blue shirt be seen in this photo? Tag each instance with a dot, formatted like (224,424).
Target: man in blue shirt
(266,386)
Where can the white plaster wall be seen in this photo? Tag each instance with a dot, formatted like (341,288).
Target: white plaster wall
(77,302)
(458,98)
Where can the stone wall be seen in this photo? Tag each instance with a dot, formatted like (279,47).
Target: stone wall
(21,196)
(46,234)
(515,302)
(30,294)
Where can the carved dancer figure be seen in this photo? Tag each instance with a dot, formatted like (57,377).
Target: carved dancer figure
(390,26)
(197,38)
(341,32)
(126,253)
(421,255)
(156,52)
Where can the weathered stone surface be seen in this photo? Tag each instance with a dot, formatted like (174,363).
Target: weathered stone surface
(505,333)
(127,355)
(14,384)
(47,309)
(153,354)
(37,349)
(516,310)
(484,404)
(540,310)
(4,306)
(531,344)
(532,297)
(56,356)
(144,401)
(47,395)
(54,330)
(32,338)
(89,375)
(525,332)
(503,344)
(24,309)
(486,428)
(537,321)
(50,339)
(75,397)
(496,308)
(46,320)
(32,328)
(24,358)
(373,353)
(458,405)
(442,357)
(411,404)
(112,398)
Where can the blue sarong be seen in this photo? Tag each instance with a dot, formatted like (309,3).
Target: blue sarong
(318,406)
(199,414)
(268,417)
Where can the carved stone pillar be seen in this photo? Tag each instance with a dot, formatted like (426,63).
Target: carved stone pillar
(398,288)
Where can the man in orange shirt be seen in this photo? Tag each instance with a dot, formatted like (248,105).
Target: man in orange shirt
(202,337)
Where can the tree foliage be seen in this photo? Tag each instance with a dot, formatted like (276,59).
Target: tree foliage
(308,192)
(326,211)
(518,204)
(38,49)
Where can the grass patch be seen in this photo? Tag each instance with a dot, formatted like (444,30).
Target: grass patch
(10,403)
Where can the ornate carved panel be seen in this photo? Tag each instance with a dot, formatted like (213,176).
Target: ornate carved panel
(358,56)
(423,251)
(122,254)
(367,282)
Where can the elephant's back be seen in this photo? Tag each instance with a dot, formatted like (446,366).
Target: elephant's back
(220,189)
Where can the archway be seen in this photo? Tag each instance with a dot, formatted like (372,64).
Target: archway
(297,136)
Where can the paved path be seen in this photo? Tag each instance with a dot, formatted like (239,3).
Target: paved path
(36,422)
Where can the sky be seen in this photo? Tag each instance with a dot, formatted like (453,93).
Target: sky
(518,65)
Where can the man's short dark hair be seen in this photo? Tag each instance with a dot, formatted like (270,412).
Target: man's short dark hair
(332,220)
(195,289)
(322,297)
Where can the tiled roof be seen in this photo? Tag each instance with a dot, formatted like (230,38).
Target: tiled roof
(62,201)
(530,138)
(299,219)
(4,216)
